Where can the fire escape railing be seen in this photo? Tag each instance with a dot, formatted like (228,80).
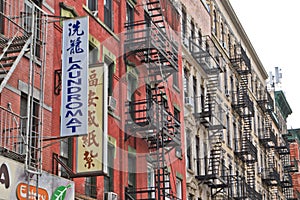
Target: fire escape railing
(12,138)
(243,105)
(267,136)
(291,194)
(206,54)
(241,190)
(289,165)
(271,177)
(148,42)
(286,181)
(211,116)
(283,148)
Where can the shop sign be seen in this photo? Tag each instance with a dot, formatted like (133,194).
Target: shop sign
(22,190)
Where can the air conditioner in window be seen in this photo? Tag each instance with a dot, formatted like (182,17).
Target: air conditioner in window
(110,196)
(95,13)
(112,103)
(259,170)
(189,102)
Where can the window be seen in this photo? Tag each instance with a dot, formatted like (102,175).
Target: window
(131,171)
(234,131)
(229,44)
(225,81)
(223,168)
(34,129)
(131,87)
(37,25)
(215,22)
(223,36)
(129,19)
(198,155)
(195,92)
(175,80)
(178,188)
(200,38)
(188,150)
(108,13)
(91,186)
(151,181)
(232,87)
(184,24)
(129,13)
(186,83)
(192,30)
(93,54)
(228,131)
(93,6)
(109,179)
(111,67)
(66,155)
(202,98)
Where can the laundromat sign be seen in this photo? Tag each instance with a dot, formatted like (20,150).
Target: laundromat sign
(13,184)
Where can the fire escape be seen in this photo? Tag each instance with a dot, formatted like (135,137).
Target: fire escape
(243,106)
(270,175)
(23,34)
(151,118)
(215,174)
(290,166)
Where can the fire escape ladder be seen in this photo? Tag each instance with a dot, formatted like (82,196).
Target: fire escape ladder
(211,115)
(244,106)
(12,48)
(25,33)
(208,110)
(151,118)
(155,12)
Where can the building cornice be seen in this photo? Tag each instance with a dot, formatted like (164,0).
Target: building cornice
(244,37)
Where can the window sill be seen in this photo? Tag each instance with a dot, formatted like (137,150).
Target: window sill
(190,171)
(111,113)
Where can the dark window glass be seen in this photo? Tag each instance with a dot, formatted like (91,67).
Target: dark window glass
(109,179)
(108,13)
(91,186)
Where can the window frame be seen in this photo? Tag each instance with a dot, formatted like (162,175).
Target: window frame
(93,7)
(108,13)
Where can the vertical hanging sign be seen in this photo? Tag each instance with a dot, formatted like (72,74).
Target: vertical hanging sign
(91,148)
(74,109)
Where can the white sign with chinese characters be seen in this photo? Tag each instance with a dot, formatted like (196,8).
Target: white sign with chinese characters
(74,98)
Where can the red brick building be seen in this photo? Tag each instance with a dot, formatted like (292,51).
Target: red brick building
(293,138)
(134,148)
(136,44)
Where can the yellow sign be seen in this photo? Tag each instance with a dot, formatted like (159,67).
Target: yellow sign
(89,147)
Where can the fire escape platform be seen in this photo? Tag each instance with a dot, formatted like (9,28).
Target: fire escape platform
(213,180)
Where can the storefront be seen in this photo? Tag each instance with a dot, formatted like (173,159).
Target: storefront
(13,184)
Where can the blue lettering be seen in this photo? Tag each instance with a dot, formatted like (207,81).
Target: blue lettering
(74,105)
(72,75)
(72,90)
(74,66)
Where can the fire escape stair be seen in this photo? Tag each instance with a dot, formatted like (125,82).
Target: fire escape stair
(158,125)
(11,52)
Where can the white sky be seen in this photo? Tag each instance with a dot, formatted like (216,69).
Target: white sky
(273,28)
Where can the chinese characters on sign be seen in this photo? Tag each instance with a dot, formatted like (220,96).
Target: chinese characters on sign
(74,111)
(90,146)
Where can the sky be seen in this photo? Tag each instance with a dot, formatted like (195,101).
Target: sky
(273,28)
